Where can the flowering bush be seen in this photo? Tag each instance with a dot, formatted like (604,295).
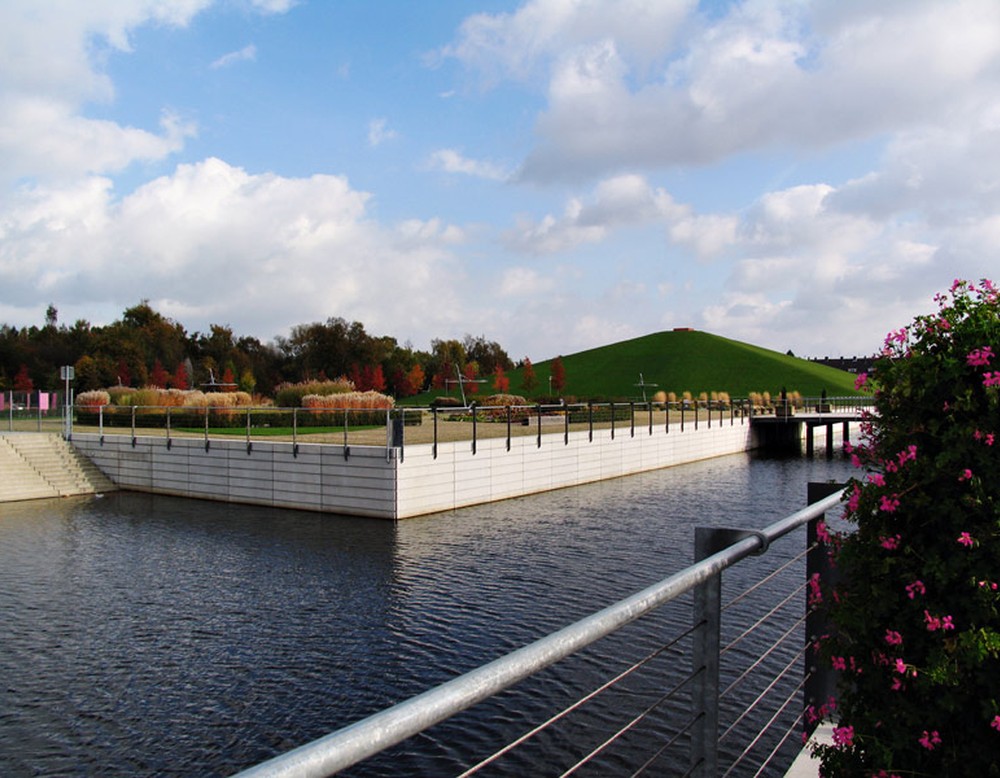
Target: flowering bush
(290,395)
(916,617)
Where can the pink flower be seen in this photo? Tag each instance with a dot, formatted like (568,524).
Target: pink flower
(946,623)
(915,588)
(889,503)
(860,381)
(877,479)
(996,723)
(893,638)
(843,737)
(890,544)
(965,475)
(839,663)
(979,356)
(822,534)
(991,379)
(966,540)
(930,740)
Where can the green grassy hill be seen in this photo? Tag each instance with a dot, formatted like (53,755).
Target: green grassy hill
(684,360)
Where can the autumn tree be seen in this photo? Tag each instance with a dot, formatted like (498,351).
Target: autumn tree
(22,380)
(558,374)
(159,376)
(528,379)
(501,383)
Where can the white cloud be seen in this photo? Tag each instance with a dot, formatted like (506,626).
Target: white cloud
(452,161)
(379,132)
(261,252)
(247,54)
(766,74)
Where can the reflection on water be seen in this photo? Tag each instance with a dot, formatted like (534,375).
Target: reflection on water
(149,635)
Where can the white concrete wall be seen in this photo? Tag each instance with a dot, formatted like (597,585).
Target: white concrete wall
(458,478)
(319,478)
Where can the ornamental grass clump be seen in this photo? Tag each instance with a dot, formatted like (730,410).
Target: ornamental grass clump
(915,617)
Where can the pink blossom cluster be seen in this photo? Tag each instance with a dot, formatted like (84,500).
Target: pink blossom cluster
(986,437)
(966,540)
(915,588)
(979,357)
(890,544)
(930,740)
(935,623)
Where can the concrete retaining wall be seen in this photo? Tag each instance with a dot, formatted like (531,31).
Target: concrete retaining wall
(374,482)
(319,478)
(457,478)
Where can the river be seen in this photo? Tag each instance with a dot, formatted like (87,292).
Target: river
(147,635)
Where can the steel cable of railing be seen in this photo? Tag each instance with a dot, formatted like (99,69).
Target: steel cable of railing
(763,694)
(667,746)
(750,746)
(628,726)
(578,704)
(766,579)
(767,616)
(760,660)
(370,736)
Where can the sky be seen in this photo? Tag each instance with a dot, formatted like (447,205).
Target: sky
(553,175)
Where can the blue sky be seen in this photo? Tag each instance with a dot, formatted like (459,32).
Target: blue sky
(552,174)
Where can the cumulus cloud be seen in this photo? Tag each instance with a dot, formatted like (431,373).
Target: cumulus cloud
(51,67)
(763,75)
(247,54)
(617,203)
(261,252)
(452,161)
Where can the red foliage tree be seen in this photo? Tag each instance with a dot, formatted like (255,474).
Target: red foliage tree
(159,377)
(501,383)
(528,379)
(558,373)
(469,374)
(180,379)
(377,380)
(228,377)
(416,378)
(124,374)
(22,381)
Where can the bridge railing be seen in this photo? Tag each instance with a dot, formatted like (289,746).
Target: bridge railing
(735,709)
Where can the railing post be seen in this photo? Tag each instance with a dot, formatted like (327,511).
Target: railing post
(508,428)
(434,449)
(705,660)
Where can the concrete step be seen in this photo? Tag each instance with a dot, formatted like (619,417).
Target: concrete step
(34,466)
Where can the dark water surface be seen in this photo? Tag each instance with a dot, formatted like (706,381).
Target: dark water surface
(146,635)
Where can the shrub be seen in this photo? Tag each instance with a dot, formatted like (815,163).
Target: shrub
(444,401)
(916,619)
(93,399)
(290,395)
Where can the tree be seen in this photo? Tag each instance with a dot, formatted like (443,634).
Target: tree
(180,379)
(469,375)
(416,378)
(22,380)
(558,374)
(916,615)
(501,383)
(528,379)
(159,376)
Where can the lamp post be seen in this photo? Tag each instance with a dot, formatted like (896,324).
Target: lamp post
(67,373)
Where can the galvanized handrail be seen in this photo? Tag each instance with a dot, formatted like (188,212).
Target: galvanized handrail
(359,741)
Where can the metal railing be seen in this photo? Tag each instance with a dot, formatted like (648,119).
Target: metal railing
(32,412)
(729,686)
(397,426)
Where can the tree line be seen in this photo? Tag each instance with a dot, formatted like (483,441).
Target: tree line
(145,348)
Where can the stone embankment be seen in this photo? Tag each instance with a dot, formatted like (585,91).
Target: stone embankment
(38,466)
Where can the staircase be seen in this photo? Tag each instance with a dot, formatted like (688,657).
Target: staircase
(37,466)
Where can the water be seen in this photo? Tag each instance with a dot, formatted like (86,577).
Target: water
(148,635)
